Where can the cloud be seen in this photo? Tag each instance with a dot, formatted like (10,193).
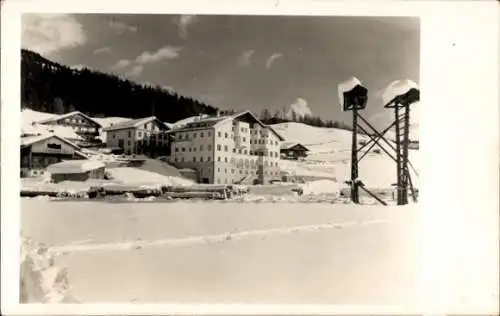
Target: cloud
(164,53)
(272,58)
(48,33)
(300,108)
(135,71)
(121,27)
(122,63)
(244,59)
(102,50)
(183,23)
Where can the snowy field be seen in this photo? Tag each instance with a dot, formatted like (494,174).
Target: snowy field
(330,154)
(229,252)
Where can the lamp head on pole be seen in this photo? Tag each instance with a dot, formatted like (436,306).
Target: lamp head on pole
(352,94)
(401,93)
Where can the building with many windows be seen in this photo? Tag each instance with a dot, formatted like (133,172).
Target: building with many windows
(84,126)
(140,136)
(237,148)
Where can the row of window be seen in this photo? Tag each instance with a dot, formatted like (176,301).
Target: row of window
(149,134)
(251,172)
(185,136)
(194,135)
(193,149)
(241,163)
(81,128)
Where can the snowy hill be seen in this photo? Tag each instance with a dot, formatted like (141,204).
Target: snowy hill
(329,156)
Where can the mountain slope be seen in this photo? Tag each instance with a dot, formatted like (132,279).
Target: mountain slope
(48,86)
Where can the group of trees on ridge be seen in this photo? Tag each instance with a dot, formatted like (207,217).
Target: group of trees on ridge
(51,87)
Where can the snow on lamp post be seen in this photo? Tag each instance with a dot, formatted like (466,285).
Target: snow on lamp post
(400,95)
(353,96)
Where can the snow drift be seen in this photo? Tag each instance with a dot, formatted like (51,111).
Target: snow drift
(41,281)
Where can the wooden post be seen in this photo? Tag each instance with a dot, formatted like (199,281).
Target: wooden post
(354,156)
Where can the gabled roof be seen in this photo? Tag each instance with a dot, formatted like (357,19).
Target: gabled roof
(218,120)
(134,123)
(63,116)
(30,140)
(290,145)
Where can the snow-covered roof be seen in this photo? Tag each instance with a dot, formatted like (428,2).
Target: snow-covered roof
(74,166)
(289,145)
(397,88)
(30,140)
(133,123)
(59,117)
(108,121)
(217,120)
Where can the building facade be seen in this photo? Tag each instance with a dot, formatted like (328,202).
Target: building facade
(81,124)
(38,152)
(229,149)
(140,136)
(293,151)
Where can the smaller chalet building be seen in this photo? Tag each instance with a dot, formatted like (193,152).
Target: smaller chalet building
(146,136)
(38,152)
(83,125)
(293,151)
(76,170)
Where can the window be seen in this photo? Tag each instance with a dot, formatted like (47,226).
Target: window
(194,159)
(209,134)
(232,170)
(190,149)
(182,159)
(194,135)
(129,143)
(201,147)
(225,170)
(225,159)
(242,129)
(225,147)
(219,134)
(244,139)
(129,134)
(218,169)
(245,151)
(250,141)
(201,159)
(225,135)
(201,134)
(234,150)
(180,136)
(183,149)
(209,147)
(209,158)
(219,147)
(194,149)
(218,158)
(114,136)
(176,149)
(239,151)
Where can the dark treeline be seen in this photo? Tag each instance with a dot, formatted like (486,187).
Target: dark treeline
(51,87)
(280,117)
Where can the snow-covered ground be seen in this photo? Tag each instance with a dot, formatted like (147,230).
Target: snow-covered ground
(219,252)
(330,154)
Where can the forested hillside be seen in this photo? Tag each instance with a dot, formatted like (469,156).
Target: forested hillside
(51,87)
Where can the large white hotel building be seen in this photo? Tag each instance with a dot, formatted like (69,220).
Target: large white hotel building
(237,148)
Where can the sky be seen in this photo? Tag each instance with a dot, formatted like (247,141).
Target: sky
(239,62)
